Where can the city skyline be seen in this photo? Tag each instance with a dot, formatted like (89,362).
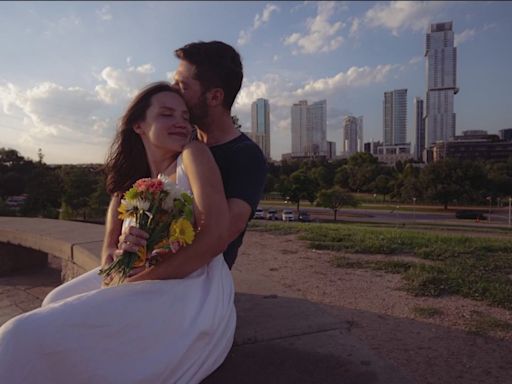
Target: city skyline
(68,69)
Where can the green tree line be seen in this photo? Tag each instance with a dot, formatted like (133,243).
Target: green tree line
(78,192)
(64,191)
(447,182)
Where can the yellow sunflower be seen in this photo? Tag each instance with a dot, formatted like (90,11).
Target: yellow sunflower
(182,231)
(123,212)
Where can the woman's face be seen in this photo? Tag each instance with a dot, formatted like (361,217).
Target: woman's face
(166,126)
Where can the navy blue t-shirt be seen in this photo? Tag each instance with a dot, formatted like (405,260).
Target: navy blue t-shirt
(244,169)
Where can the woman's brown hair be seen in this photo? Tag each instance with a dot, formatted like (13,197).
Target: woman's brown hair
(127,161)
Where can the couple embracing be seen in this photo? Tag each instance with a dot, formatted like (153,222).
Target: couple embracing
(173,322)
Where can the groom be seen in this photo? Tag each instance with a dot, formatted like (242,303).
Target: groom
(209,76)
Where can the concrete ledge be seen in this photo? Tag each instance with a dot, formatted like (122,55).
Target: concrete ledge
(77,245)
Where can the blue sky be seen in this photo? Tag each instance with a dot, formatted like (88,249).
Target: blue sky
(68,69)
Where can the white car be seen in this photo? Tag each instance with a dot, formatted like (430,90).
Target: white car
(288,215)
(259,214)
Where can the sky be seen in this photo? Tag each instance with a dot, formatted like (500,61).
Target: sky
(69,69)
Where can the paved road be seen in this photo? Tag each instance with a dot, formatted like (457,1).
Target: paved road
(498,216)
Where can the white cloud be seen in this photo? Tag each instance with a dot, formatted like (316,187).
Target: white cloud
(415,60)
(465,35)
(354,77)
(260,19)
(104,13)
(354,28)
(62,26)
(122,84)
(321,35)
(401,15)
(51,110)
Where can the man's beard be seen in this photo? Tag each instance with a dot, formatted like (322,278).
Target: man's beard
(199,111)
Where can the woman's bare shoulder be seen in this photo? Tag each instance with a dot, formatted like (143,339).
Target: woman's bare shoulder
(197,153)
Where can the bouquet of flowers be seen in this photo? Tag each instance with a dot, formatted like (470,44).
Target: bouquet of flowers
(164,211)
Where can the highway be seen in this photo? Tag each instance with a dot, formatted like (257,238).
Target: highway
(397,215)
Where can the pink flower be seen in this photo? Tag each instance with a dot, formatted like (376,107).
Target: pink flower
(155,185)
(143,184)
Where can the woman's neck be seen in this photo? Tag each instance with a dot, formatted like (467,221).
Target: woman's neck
(162,164)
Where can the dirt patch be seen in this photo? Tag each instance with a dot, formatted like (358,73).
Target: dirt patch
(382,313)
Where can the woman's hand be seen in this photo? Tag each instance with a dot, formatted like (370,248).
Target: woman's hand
(131,240)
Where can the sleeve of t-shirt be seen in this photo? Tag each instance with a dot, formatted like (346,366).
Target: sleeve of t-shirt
(248,175)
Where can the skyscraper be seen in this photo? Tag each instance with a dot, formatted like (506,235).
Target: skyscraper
(309,129)
(352,134)
(419,127)
(441,83)
(395,117)
(299,122)
(260,125)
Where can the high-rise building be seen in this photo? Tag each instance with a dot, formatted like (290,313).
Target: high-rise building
(260,125)
(441,72)
(395,117)
(299,122)
(331,150)
(309,129)
(352,135)
(419,128)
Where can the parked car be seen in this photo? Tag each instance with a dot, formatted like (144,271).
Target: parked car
(470,215)
(259,213)
(271,214)
(304,216)
(287,215)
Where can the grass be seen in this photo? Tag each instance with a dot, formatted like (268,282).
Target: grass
(391,266)
(427,312)
(483,324)
(474,267)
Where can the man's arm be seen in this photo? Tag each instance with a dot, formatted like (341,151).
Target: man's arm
(239,215)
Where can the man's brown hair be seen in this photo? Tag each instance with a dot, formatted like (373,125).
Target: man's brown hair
(217,65)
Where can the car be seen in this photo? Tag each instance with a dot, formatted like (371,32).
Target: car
(287,215)
(259,214)
(304,216)
(470,215)
(271,214)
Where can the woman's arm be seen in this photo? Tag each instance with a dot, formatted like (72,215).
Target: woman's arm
(211,212)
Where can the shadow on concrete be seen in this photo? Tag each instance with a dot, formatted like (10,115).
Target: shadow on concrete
(291,340)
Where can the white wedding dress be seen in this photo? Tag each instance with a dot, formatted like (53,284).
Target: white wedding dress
(164,331)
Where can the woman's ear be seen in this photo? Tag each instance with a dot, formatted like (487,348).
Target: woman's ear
(215,97)
(137,127)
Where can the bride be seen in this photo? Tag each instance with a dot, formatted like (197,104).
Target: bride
(177,329)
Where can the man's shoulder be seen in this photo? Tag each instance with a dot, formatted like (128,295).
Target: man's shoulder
(241,144)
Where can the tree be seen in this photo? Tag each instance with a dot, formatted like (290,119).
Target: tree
(450,179)
(382,185)
(362,169)
(78,185)
(12,184)
(44,190)
(299,186)
(335,198)
(236,122)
